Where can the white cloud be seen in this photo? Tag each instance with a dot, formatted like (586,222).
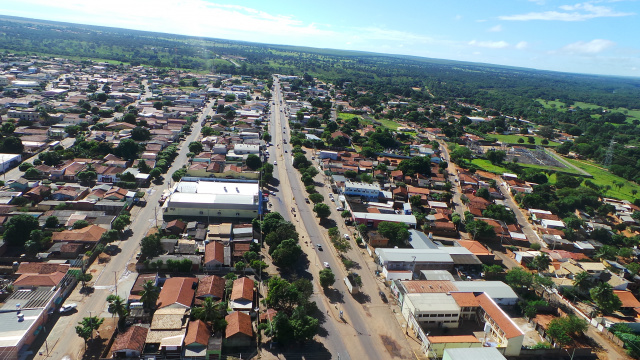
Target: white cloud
(496,28)
(577,12)
(522,45)
(592,47)
(489,44)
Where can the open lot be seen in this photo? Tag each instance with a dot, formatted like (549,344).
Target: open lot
(602,177)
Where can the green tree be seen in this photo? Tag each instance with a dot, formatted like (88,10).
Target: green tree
(253,162)
(604,298)
(518,278)
(211,313)
(582,281)
(19,228)
(118,306)
(80,224)
(127,149)
(327,278)
(563,328)
(322,210)
(149,295)
(12,145)
(195,147)
(531,140)
(397,233)
(52,222)
(540,262)
(85,328)
(483,193)
(316,198)
(479,229)
(286,254)
(496,156)
(33,173)
(150,246)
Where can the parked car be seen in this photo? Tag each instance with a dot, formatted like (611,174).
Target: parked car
(319,247)
(67,307)
(383,296)
(306,200)
(346,236)
(326,265)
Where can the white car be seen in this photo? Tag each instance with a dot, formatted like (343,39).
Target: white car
(275,163)
(326,265)
(67,307)
(346,236)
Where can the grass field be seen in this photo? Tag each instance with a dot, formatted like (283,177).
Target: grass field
(603,177)
(389,124)
(486,165)
(347,116)
(632,114)
(513,139)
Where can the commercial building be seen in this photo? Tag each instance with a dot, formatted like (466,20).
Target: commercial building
(371,192)
(213,200)
(7,161)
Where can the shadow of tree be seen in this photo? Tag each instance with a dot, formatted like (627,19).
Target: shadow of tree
(362,298)
(334,295)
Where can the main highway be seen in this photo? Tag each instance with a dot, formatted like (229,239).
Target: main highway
(368,329)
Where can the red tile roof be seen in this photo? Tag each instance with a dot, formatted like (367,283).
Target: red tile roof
(627,299)
(214,251)
(474,246)
(242,289)
(238,323)
(39,279)
(501,319)
(211,286)
(41,268)
(91,233)
(465,299)
(453,339)
(178,290)
(197,333)
(132,339)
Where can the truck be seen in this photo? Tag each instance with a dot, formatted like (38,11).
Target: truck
(353,282)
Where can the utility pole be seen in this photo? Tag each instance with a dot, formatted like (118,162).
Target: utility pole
(115,278)
(609,156)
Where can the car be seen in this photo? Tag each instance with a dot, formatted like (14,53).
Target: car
(285,151)
(332,199)
(306,200)
(319,247)
(340,208)
(275,163)
(383,296)
(67,307)
(346,236)
(326,264)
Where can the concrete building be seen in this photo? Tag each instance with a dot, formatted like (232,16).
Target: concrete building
(213,200)
(7,161)
(371,192)
(485,353)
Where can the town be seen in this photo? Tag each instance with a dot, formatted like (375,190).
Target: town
(153,213)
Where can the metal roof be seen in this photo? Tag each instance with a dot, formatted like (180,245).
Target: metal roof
(407,255)
(495,289)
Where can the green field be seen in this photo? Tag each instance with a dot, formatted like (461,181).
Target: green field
(389,124)
(513,139)
(602,177)
(560,106)
(347,116)
(486,165)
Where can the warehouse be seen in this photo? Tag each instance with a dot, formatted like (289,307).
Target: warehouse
(213,200)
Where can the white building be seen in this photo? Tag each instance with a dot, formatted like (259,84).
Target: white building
(8,161)
(213,199)
(369,191)
(245,149)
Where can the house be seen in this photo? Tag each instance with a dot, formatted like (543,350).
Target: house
(196,341)
(175,227)
(239,331)
(629,302)
(373,219)
(242,295)
(214,255)
(177,292)
(87,235)
(130,343)
(211,286)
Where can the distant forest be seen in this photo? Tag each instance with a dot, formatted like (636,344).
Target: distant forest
(507,89)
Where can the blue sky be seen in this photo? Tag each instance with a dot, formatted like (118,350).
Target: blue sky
(597,37)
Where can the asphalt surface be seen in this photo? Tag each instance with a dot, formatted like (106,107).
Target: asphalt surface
(62,340)
(363,338)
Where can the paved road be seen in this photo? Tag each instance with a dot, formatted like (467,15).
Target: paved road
(367,333)
(15,173)
(62,340)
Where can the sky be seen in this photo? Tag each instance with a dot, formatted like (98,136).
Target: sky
(593,37)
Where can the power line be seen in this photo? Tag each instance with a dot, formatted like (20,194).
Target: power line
(609,156)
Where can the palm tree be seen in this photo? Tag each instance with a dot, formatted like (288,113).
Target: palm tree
(582,281)
(149,295)
(117,306)
(210,313)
